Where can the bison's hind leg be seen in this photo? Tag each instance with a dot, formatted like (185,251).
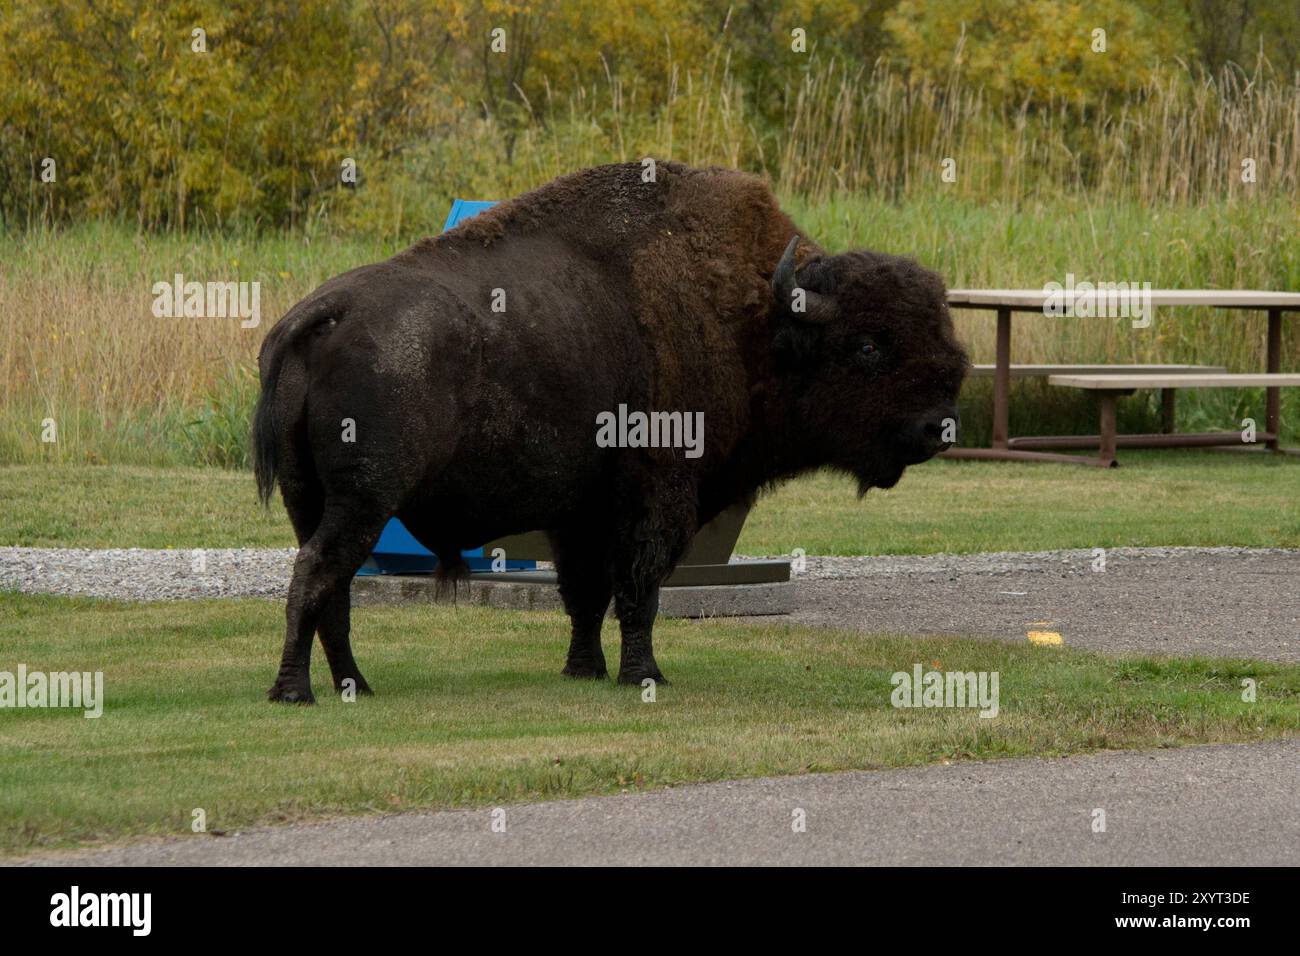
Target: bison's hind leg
(334,626)
(319,596)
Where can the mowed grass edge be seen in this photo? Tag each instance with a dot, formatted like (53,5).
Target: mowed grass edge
(471,711)
(1156,498)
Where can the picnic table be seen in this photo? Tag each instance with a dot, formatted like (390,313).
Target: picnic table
(1111,381)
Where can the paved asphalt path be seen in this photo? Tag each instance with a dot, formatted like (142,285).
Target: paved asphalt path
(1225,805)
(1221,602)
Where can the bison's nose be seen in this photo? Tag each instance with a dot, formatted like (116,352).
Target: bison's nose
(935,431)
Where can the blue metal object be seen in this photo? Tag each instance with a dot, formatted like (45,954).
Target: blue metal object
(462,209)
(397,551)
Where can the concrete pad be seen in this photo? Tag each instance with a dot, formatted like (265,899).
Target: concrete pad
(537,591)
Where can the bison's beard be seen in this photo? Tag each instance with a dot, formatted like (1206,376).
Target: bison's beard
(883,473)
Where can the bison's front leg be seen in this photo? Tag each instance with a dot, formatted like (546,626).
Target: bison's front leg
(648,554)
(636,609)
(582,568)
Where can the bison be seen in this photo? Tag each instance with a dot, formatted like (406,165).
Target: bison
(458,386)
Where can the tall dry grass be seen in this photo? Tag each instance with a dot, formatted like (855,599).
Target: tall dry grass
(79,342)
(1148,191)
(1180,138)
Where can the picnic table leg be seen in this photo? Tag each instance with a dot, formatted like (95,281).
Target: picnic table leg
(1106,455)
(1167,409)
(1002,380)
(1273,403)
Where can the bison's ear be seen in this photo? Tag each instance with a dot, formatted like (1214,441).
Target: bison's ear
(804,296)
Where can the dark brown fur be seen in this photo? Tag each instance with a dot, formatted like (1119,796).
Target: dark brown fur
(471,424)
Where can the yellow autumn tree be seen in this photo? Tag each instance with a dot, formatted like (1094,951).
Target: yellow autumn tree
(1035,51)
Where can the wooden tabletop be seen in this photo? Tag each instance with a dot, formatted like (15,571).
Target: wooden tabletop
(1126,382)
(1034,299)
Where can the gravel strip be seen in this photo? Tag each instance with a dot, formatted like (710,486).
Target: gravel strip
(143,574)
(139,574)
(1009,562)
(1226,602)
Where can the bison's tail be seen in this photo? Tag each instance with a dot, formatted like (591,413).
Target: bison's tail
(266,456)
(301,320)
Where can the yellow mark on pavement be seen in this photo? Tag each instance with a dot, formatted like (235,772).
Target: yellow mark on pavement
(1044,637)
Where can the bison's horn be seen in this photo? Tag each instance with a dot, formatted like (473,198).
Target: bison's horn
(784,283)
(783,278)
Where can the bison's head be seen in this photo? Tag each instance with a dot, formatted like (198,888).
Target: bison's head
(866,343)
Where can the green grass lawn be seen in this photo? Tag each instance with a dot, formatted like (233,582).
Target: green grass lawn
(112,506)
(471,711)
(1182,497)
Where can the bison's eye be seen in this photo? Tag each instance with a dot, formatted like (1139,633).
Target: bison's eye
(867,354)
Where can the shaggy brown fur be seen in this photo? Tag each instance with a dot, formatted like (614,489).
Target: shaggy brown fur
(673,295)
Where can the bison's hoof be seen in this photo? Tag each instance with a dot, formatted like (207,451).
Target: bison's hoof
(290,694)
(635,675)
(587,669)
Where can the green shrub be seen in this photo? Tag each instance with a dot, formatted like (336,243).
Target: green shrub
(220,434)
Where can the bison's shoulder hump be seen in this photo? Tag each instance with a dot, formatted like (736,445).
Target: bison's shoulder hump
(626,204)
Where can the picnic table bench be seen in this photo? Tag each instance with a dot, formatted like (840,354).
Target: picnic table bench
(1110,387)
(1042,371)
(1112,381)
(1167,400)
